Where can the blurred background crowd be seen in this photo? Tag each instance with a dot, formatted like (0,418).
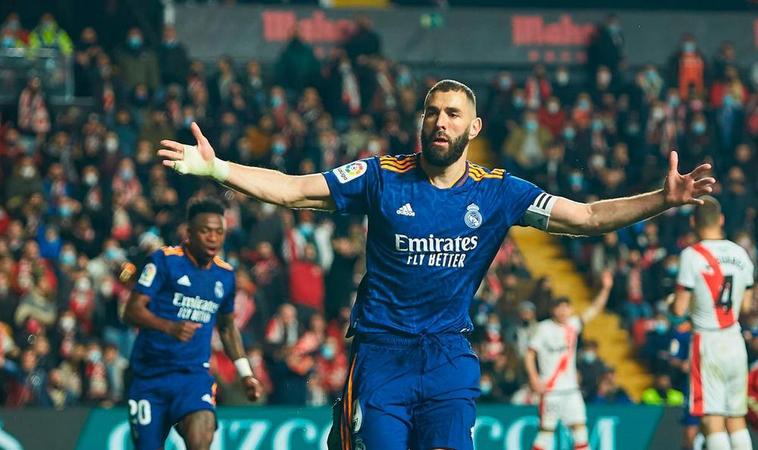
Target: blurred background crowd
(84,201)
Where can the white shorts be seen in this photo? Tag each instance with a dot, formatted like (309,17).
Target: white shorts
(566,406)
(718,373)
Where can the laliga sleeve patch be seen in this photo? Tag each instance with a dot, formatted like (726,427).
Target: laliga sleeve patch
(350,171)
(148,275)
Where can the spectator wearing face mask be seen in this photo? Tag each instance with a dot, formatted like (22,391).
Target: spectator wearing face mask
(591,368)
(552,116)
(173,57)
(49,35)
(138,64)
(607,46)
(687,68)
(563,86)
(526,145)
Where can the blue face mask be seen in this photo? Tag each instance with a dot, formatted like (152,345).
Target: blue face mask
(328,352)
(698,128)
(597,125)
(583,104)
(576,180)
(633,129)
(9,42)
(505,83)
(134,41)
(661,327)
(404,79)
(518,102)
(68,258)
(112,254)
(672,270)
(674,101)
(306,229)
(65,210)
(531,126)
(276,101)
(278,148)
(688,47)
(569,133)
(728,100)
(652,75)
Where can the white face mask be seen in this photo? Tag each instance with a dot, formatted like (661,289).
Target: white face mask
(27,172)
(90,179)
(67,324)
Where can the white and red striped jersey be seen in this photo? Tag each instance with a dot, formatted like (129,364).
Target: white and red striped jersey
(717,272)
(555,345)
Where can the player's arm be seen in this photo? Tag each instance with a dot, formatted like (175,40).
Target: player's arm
(681,303)
(601,299)
(530,362)
(139,315)
(271,186)
(747,302)
(232,341)
(569,217)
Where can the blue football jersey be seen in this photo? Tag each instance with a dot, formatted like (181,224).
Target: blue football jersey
(180,290)
(428,248)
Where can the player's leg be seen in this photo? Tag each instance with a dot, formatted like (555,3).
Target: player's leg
(197,430)
(378,396)
(148,411)
(708,387)
(445,414)
(193,409)
(574,415)
(548,410)
(716,437)
(736,390)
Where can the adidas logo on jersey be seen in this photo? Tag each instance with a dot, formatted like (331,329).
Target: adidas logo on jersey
(208,399)
(184,281)
(406,210)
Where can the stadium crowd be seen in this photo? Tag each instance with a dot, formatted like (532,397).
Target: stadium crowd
(84,201)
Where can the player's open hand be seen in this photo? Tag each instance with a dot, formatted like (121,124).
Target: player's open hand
(253,388)
(685,189)
(184,330)
(197,159)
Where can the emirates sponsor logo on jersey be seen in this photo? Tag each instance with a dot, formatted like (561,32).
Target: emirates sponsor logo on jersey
(194,308)
(436,251)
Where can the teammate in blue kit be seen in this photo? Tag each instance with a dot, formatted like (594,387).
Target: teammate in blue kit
(181,294)
(436,221)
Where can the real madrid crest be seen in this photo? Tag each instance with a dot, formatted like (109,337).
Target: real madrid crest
(473,217)
(219,289)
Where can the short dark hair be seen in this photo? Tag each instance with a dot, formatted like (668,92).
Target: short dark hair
(559,301)
(708,214)
(451,85)
(204,205)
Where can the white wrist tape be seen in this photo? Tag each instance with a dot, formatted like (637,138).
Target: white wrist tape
(243,367)
(192,163)
(220,170)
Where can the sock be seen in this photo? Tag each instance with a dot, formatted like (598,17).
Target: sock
(741,440)
(580,439)
(543,441)
(718,441)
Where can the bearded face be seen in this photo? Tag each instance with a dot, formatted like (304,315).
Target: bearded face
(442,150)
